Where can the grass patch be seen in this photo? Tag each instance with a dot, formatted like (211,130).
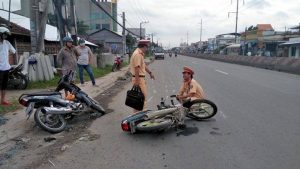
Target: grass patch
(15,106)
(98,72)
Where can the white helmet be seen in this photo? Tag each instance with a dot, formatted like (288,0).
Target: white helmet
(4,30)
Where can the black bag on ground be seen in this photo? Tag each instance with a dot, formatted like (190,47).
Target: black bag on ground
(135,98)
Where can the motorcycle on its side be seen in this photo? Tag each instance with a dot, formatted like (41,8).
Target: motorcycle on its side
(16,79)
(52,111)
(168,116)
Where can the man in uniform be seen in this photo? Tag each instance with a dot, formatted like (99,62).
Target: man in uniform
(138,68)
(190,89)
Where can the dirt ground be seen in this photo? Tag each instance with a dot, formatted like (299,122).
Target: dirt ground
(36,147)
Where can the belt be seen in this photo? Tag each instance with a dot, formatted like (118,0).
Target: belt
(139,75)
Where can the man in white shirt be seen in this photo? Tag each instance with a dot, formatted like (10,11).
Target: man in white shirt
(5,48)
(84,61)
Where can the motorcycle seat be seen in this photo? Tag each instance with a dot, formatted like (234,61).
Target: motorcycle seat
(43,93)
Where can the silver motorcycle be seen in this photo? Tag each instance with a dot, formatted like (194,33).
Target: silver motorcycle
(168,116)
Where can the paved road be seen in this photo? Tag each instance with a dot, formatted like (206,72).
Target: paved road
(257,126)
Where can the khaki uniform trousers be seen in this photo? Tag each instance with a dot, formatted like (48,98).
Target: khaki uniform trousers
(144,90)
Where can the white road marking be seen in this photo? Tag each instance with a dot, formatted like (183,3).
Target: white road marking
(222,114)
(220,71)
(150,99)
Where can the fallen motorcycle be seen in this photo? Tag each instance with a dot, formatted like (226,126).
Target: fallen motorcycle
(168,116)
(16,79)
(52,111)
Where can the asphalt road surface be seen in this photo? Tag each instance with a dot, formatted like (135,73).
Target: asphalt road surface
(257,125)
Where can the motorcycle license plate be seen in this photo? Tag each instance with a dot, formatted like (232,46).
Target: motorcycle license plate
(29,110)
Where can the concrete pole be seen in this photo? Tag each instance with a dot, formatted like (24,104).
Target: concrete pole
(124,35)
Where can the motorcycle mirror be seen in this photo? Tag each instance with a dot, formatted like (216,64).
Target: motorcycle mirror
(173,96)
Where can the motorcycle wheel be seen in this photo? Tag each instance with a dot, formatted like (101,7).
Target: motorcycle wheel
(202,109)
(114,68)
(154,125)
(23,80)
(52,123)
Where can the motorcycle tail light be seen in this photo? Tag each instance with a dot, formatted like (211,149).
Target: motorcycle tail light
(24,102)
(125,126)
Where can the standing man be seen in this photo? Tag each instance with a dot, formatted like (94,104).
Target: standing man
(138,68)
(66,58)
(5,48)
(84,61)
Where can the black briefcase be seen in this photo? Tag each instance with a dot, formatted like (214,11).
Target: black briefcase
(135,98)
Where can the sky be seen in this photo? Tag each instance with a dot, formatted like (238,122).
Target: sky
(176,21)
(172,20)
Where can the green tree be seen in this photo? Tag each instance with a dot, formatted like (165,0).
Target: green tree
(130,42)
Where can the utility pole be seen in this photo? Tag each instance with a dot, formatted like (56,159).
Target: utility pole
(236,20)
(9,9)
(123,35)
(42,17)
(73,28)
(38,19)
(60,20)
(187,38)
(141,28)
(201,30)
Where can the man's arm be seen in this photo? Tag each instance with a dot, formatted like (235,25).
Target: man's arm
(91,55)
(150,73)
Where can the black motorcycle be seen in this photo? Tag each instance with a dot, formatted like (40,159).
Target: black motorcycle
(52,110)
(16,79)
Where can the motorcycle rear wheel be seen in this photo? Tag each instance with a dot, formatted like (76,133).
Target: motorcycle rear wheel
(202,109)
(53,123)
(154,125)
(23,82)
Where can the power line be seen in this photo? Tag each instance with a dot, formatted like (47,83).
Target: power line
(99,6)
(141,9)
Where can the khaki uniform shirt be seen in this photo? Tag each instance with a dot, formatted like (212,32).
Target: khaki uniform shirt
(192,87)
(137,59)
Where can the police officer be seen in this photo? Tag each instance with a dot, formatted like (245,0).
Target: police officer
(190,89)
(138,68)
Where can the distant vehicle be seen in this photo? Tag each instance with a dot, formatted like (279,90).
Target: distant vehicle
(159,53)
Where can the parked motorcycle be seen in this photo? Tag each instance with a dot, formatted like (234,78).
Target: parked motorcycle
(16,79)
(117,64)
(168,116)
(52,111)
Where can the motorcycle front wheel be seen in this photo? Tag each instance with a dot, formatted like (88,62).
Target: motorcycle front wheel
(53,123)
(114,68)
(154,125)
(202,109)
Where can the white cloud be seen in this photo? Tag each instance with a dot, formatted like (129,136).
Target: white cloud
(171,20)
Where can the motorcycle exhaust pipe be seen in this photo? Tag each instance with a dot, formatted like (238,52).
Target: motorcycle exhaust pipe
(55,110)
